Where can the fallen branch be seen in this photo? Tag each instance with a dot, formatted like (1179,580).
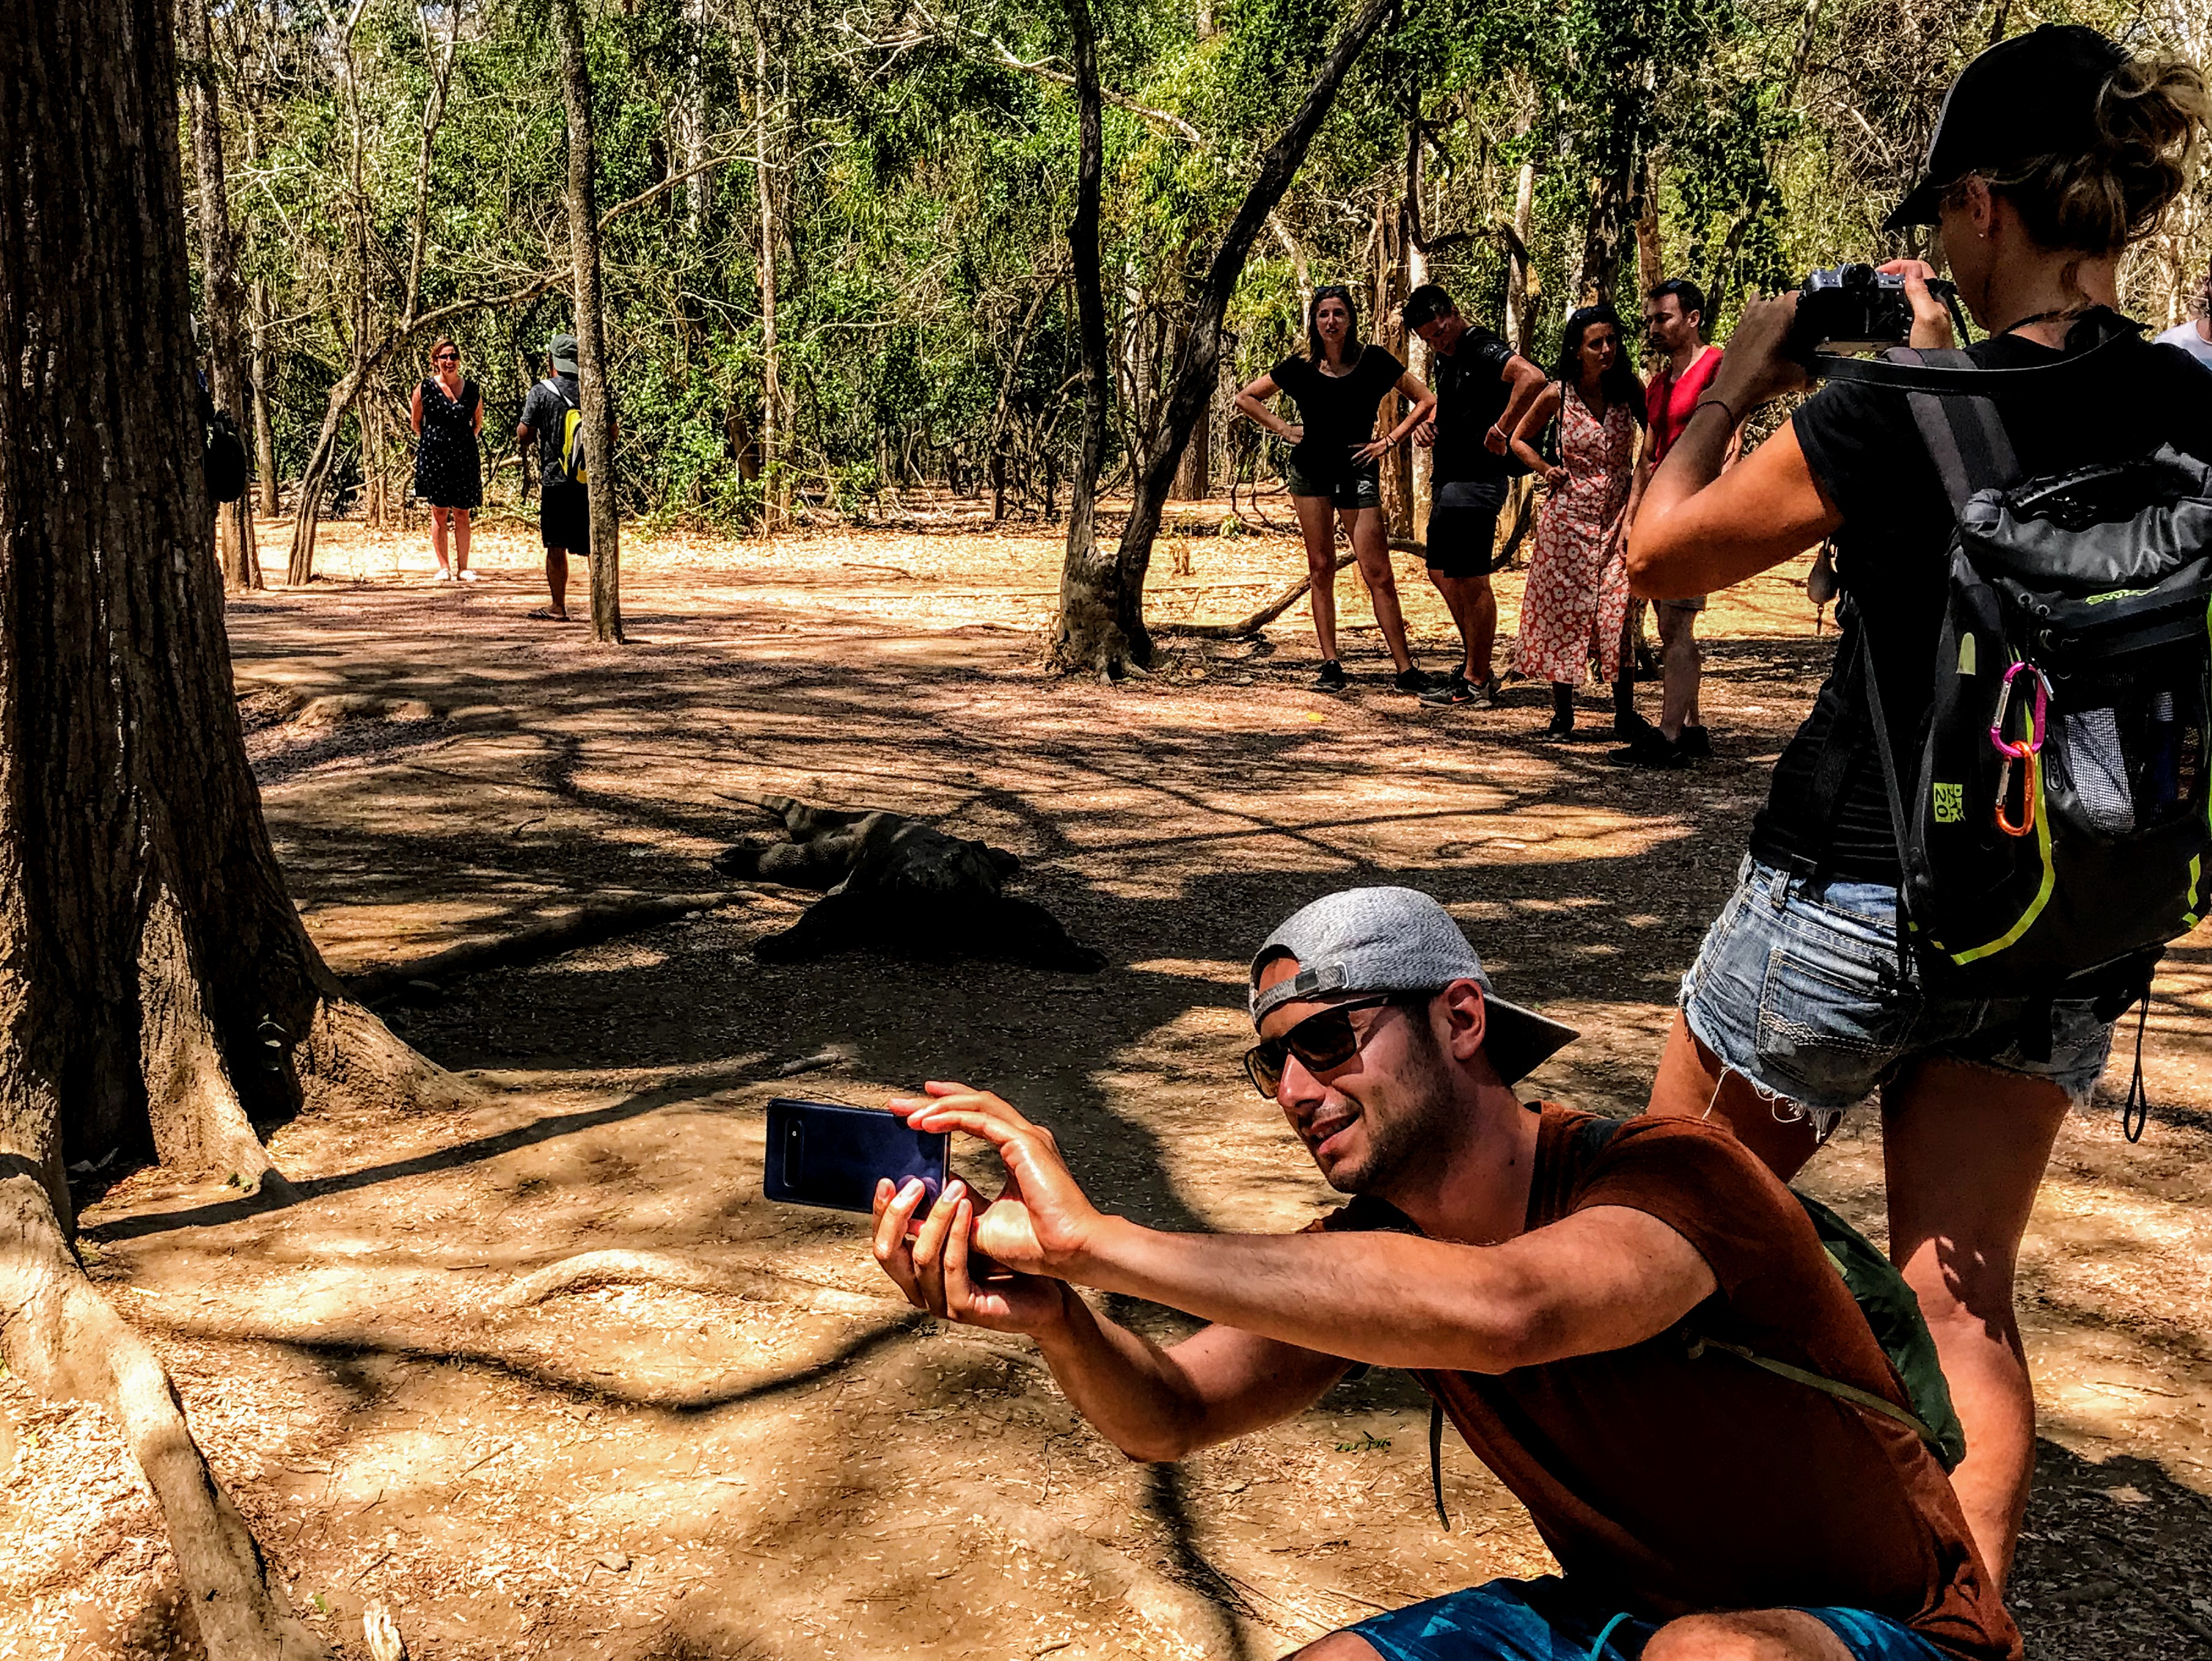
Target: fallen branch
(587,926)
(1253,624)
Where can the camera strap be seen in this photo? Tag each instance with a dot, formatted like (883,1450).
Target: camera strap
(1961,379)
(1964,436)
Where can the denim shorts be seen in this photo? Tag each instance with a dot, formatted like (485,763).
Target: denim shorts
(1357,484)
(1797,987)
(1553,1619)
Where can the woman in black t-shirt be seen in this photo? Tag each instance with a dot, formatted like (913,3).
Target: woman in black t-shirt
(1334,466)
(2055,152)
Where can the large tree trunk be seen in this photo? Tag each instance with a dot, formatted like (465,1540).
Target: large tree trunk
(241,563)
(1095,605)
(1108,639)
(591,334)
(159,992)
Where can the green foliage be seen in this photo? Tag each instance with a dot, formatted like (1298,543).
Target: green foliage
(921,166)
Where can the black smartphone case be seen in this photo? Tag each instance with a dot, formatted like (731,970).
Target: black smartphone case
(829,1155)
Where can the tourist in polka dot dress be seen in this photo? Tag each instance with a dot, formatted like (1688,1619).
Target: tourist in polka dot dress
(448,415)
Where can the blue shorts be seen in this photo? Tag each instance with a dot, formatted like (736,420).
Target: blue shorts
(1796,988)
(1546,1619)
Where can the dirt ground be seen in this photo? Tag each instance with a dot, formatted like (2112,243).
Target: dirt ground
(760,1453)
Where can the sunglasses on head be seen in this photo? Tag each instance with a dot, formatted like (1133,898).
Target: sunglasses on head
(1323,1042)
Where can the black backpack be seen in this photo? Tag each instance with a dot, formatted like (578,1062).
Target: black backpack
(2055,824)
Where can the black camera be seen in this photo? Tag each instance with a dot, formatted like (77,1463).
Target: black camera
(1856,308)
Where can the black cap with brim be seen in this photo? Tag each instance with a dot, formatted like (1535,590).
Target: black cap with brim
(2031,96)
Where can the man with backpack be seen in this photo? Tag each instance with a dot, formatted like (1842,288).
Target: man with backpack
(554,414)
(1635,1326)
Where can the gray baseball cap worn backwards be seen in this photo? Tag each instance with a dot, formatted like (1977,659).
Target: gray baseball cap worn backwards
(1399,940)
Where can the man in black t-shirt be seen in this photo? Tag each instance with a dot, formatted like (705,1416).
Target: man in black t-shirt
(1482,388)
(564,515)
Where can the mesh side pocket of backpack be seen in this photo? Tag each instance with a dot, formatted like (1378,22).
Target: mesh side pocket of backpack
(2134,753)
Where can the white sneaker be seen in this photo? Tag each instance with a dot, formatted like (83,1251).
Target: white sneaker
(468,576)
(444,575)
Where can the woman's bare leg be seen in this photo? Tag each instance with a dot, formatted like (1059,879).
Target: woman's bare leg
(1317,525)
(1371,545)
(438,535)
(1964,1149)
(461,540)
(1690,1081)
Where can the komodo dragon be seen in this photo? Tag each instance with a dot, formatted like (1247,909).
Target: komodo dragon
(893,884)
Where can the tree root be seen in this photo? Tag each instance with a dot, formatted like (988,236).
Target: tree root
(350,1059)
(591,1269)
(67,1342)
(587,926)
(1248,626)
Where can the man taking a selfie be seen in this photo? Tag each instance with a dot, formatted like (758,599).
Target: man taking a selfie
(1536,1275)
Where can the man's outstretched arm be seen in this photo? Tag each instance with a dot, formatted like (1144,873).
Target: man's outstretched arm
(1600,1279)
(1154,1402)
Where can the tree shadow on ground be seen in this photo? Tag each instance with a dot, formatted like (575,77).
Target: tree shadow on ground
(1170,829)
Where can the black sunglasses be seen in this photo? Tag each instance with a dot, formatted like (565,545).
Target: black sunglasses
(1324,1041)
(448,357)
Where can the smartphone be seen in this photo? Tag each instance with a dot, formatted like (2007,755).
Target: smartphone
(830,1154)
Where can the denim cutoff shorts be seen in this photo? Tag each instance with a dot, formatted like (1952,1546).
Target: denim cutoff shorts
(1796,988)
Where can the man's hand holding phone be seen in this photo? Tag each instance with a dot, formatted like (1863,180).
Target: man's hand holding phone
(1040,1222)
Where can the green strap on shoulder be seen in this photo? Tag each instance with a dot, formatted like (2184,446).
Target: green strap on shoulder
(1836,1387)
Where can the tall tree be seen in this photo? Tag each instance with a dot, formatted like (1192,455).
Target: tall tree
(1094,604)
(159,993)
(591,328)
(224,302)
(1101,626)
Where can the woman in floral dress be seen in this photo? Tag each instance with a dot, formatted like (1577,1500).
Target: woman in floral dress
(1577,599)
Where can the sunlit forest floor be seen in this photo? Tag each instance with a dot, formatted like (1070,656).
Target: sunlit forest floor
(765,1455)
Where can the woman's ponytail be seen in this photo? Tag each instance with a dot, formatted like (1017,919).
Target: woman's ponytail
(2151,118)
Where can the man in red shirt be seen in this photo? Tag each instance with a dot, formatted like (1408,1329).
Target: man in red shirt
(1674,321)
(1540,1278)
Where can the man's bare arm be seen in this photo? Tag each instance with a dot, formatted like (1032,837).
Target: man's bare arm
(1601,1279)
(1157,1404)
(1525,380)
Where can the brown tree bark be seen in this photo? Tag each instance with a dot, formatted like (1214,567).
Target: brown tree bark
(159,993)
(590,332)
(1100,627)
(264,425)
(772,433)
(225,304)
(1095,603)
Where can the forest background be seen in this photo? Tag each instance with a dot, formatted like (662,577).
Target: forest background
(834,251)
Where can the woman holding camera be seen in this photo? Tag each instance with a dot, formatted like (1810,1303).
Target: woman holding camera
(2056,152)
(1577,599)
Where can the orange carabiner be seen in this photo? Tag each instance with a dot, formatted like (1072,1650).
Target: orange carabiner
(2027,794)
